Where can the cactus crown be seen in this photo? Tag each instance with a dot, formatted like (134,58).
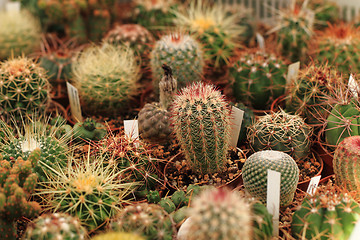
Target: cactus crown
(340,34)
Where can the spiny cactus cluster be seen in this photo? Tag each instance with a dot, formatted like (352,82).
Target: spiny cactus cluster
(17,183)
(201,120)
(106,78)
(24,87)
(255,174)
(52,226)
(258,79)
(282,132)
(182,53)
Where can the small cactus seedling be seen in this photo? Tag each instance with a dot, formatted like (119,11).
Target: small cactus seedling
(117,236)
(53,226)
(147,220)
(255,174)
(89,130)
(201,120)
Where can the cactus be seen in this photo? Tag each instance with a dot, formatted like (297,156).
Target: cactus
(147,220)
(339,46)
(153,196)
(258,79)
(117,236)
(89,130)
(282,132)
(262,221)
(217,30)
(308,94)
(219,214)
(87,189)
(325,11)
(346,165)
(17,183)
(168,205)
(248,120)
(182,53)
(325,215)
(19,34)
(106,78)
(201,120)
(154,118)
(24,87)
(52,226)
(255,174)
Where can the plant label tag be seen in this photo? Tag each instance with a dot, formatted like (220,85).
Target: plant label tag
(13,7)
(354,86)
(355,235)
(314,182)
(293,72)
(261,41)
(310,14)
(131,129)
(74,102)
(273,198)
(237,116)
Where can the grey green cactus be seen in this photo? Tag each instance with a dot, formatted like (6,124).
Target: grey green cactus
(258,79)
(255,174)
(201,120)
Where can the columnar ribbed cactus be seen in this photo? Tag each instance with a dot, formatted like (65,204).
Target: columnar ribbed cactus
(154,118)
(106,77)
(117,236)
(147,220)
(255,174)
(19,34)
(53,226)
(182,53)
(282,132)
(258,79)
(346,164)
(17,183)
(325,215)
(309,92)
(201,120)
(24,87)
(219,214)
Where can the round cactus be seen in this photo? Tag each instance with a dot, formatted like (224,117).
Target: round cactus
(325,215)
(147,220)
(89,130)
(182,53)
(117,236)
(19,34)
(106,78)
(53,226)
(201,120)
(258,79)
(219,214)
(282,132)
(24,87)
(255,174)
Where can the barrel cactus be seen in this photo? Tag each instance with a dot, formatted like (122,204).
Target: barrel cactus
(255,174)
(325,215)
(24,87)
(19,34)
(282,132)
(52,226)
(258,79)
(182,53)
(147,220)
(201,120)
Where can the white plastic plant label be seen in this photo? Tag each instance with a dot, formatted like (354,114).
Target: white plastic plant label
(293,72)
(237,116)
(74,102)
(261,41)
(273,198)
(313,184)
(354,87)
(355,235)
(13,7)
(131,128)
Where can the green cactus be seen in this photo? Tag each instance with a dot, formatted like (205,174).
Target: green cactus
(255,174)
(106,78)
(219,214)
(24,87)
(19,34)
(201,120)
(117,236)
(153,196)
(52,226)
(89,130)
(168,205)
(326,11)
(179,215)
(147,220)
(17,183)
(258,79)
(248,120)
(154,118)
(99,22)
(179,198)
(182,53)
(325,215)
(282,132)
(262,222)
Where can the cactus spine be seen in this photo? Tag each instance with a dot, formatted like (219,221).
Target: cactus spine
(201,120)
